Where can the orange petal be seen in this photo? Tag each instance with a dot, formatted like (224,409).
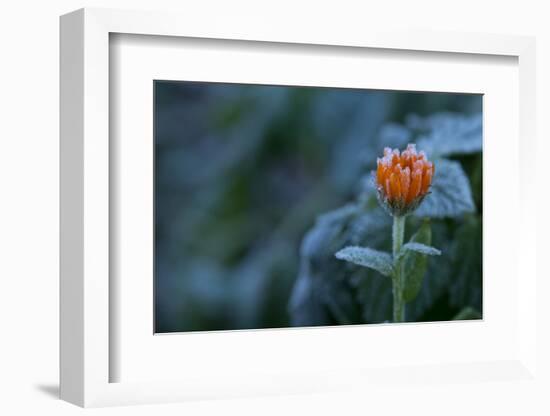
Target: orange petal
(406,159)
(426,180)
(397,169)
(388,189)
(379,172)
(405,182)
(418,165)
(416,183)
(395,159)
(395,185)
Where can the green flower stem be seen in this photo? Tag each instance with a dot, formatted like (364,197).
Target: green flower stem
(398,234)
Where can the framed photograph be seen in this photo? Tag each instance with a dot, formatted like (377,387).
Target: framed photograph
(268,211)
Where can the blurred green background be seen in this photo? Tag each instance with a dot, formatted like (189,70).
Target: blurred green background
(243,171)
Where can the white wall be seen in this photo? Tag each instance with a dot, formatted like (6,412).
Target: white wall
(29,189)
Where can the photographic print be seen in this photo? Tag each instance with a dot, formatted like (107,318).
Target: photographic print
(292,206)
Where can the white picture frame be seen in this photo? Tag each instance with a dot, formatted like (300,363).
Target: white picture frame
(86,304)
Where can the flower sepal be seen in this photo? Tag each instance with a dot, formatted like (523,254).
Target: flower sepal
(399,207)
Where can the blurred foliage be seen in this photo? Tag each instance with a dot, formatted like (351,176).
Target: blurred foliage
(241,175)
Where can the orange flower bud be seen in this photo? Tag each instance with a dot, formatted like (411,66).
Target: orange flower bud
(403,179)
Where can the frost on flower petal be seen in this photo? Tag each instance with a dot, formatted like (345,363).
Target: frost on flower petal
(403,179)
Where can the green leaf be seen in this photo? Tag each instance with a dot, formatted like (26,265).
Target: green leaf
(450,193)
(367,257)
(420,248)
(466,314)
(438,276)
(466,254)
(415,263)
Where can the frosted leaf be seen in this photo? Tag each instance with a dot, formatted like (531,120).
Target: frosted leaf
(367,257)
(327,228)
(445,134)
(421,248)
(369,229)
(395,135)
(322,291)
(450,194)
(415,264)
